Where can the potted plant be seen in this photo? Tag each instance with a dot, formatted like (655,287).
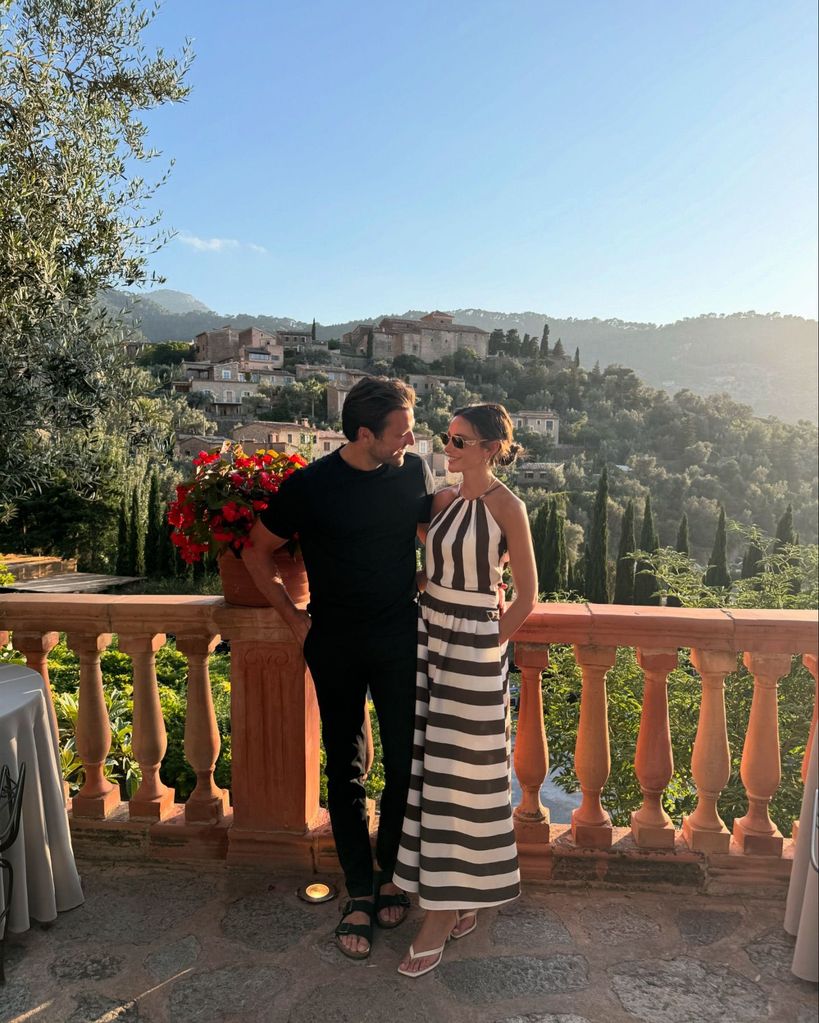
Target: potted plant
(214,511)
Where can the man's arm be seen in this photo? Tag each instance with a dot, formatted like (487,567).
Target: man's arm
(258,560)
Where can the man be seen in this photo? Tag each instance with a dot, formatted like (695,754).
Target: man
(356,513)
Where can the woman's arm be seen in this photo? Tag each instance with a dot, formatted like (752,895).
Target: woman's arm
(514,522)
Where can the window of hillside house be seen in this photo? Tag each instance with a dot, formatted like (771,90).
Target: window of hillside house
(327,445)
(246,394)
(528,475)
(550,426)
(422,447)
(227,396)
(226,374)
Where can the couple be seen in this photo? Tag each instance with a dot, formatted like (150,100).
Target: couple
(437,678)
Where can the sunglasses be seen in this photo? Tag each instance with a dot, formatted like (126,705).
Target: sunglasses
(459,443)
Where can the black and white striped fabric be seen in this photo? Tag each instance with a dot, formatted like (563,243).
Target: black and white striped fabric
(458,846)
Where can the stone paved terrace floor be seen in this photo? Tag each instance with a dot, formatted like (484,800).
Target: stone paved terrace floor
(155,944)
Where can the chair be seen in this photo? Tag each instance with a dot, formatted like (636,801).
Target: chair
(11,807)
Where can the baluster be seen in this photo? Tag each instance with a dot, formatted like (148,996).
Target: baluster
(591,825)
(207,802)
(98,796)
(760,771)
(35,647)
(704,830)
(531,746)
(654,761)
(810,661)
(152,799)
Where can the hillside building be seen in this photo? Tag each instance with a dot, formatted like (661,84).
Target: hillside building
(545,422)
(429,338)
(251,346)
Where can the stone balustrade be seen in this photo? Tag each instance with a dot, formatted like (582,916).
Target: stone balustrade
(273,814)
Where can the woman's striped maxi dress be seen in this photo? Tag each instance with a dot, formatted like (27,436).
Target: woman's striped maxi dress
(458,845)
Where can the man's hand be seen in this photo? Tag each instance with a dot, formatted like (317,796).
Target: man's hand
(300,622)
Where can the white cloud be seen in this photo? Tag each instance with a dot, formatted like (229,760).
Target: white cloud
(217,244)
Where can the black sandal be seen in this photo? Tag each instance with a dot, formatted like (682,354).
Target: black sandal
(387,901)
(357,930)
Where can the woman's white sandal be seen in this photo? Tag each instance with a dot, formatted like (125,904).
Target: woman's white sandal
(439,952)
(462,916)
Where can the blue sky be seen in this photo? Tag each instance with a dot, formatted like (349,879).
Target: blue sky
(641,160)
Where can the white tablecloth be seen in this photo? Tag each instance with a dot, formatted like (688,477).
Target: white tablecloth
(45,875)
(802,908)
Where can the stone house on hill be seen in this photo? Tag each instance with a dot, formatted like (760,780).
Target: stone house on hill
(431,337)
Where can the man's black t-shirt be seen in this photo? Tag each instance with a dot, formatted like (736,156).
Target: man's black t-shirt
(356,531)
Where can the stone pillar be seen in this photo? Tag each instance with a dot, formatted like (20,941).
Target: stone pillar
(207,802)
(531,747)
(756,833)
(654,762)
(152,799)
(274,739)
(35,647)
(591,825)
(704,830)
(98,796)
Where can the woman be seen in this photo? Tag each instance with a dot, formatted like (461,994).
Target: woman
(458,845)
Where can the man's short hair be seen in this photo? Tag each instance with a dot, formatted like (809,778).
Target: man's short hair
(370,402)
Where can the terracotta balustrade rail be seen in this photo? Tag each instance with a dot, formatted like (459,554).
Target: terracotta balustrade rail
(274,813)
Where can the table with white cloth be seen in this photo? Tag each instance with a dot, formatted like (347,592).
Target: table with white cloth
(802,907)
(45,875)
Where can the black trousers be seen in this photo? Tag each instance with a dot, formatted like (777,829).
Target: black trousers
(344,664)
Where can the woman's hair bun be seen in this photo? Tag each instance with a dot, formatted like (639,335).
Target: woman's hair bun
(509,456)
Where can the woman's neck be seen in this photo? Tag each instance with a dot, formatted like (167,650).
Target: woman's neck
(475,483)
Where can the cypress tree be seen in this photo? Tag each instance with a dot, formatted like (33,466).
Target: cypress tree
(544,342)
(121,564)
(752,561)
(313,330)
(554,553)
(577,358)
(682,546)
(540,526)
(562,553)
(558,352)
(153,535)
(624,582)
(784,529)
(646,587)
(597,587)
(717,573)
(134,536)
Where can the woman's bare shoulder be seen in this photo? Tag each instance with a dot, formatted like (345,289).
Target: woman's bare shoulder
(443,499)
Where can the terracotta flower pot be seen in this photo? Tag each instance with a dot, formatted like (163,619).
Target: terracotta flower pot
(239,588)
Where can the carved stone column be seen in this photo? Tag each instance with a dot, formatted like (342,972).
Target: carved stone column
(207,802)
(531,747)
(755,832)
(35,647)
(704,830)
(98,796)
(274,739)
(152,799)
(591,825)
(654,762)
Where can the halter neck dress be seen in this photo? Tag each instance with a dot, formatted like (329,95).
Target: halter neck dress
(458,845)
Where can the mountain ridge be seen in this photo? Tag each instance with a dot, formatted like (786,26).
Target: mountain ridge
(768,361)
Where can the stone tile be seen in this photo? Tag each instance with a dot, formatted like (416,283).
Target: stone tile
(16,998)
(356,1003)
(772,953)
(94,1008)
(808,1014)
(705,926)
(614,921)
(86,965)
(528,927)
(544,1017)
(230,993)
(274,922)
(138,905)
(168,960)
(681,990)
(494,979)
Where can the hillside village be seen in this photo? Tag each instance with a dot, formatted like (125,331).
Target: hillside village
(233,376)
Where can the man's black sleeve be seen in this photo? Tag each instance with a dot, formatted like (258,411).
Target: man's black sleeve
(425,510)
(283,515)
